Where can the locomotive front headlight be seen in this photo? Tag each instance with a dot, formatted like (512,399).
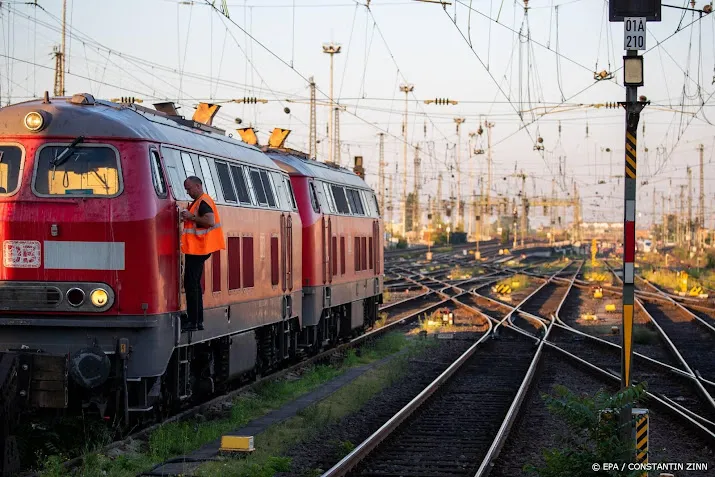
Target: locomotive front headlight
(34,121)
(99,297)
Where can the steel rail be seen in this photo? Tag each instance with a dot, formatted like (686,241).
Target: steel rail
(699,422)
(709,434)
(351,460)
(502,435)
(364,448)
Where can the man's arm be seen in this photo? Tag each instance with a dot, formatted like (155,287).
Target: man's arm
(206,221)
(205,217)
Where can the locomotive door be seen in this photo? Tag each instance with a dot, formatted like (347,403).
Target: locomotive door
(376,246)
(287,251)
(326,234)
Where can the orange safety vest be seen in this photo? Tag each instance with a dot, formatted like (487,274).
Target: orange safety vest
(195,241)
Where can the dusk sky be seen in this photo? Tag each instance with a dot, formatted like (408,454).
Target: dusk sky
(189,52)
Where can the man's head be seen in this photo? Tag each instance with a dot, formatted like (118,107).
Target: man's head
(194,187)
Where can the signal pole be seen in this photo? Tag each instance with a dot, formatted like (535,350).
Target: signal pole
(701,202)
(460,212)
(634,16)
(489,127)
(381,173)
(60,57)
(331,49)
(416,192)
(407,89)
(689,229)
(313,140)
(336,139)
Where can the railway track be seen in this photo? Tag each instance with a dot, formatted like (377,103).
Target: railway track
(461,418)
(672,389)
(693,339)
(467,411)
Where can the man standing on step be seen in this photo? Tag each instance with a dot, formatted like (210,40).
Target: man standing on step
(202,236)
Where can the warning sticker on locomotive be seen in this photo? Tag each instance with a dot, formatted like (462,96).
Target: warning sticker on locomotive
(21,254)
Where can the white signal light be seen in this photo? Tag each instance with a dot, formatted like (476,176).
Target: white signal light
(99,297)
(34,121)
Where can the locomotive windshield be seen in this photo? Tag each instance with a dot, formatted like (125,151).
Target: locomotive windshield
(86,171)
(10,158)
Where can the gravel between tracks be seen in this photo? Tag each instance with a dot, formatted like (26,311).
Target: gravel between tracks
(580,302)
(538,429)
(319,451)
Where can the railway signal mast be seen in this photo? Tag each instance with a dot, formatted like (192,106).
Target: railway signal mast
(634,15)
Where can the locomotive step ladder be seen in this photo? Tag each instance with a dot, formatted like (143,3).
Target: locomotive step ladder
(184,373)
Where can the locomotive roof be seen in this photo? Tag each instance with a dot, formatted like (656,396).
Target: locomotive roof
(98,118)
(296,163)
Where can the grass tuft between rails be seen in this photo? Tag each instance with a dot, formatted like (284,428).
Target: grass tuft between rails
(179,438)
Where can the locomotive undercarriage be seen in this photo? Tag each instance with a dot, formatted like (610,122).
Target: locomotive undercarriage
(194,373)
(340,323)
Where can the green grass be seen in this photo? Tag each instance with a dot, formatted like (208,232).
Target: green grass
(667,279)
(645,336)
(463,273)
(517,282)
(179,438)
(278,439)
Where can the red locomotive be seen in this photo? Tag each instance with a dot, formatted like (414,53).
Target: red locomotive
(342,248)
(90,294)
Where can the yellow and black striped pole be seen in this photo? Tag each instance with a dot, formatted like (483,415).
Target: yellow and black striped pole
(633,109)
(641,419)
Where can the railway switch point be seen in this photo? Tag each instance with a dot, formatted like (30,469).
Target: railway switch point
(237,444)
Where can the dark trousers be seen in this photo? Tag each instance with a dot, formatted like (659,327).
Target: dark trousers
(193,269)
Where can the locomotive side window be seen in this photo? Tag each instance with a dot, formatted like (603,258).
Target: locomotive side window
(374,204)
(365,203)
(351,200)
(268,189)
(341,202)
(175,170)
(157,177)
(277,182)
(188,164)
(224,178)
(10,161)
(258,187)
(81,170)
(314,198)
(289,188)
(355,202)
(329,197)
(208,177)
(239,180)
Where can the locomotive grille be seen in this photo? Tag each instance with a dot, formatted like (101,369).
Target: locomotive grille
(29,297)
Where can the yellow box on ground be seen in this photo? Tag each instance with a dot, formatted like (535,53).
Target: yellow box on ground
(237,444)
